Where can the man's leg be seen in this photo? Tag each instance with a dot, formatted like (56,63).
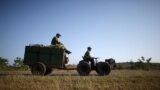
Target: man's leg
(92,63)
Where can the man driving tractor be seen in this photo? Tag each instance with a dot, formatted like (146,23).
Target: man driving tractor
(87,56)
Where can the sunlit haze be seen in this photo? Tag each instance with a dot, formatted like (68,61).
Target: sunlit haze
(119,29)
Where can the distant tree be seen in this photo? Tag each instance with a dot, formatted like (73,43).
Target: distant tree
(140,63)
(18,62)
(149,60)
(143,63)
(141,60)
(148,63)
(3,62)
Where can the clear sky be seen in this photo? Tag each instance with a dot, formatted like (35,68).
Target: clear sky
(119,29)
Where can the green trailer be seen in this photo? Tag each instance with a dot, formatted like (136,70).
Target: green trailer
(41,59)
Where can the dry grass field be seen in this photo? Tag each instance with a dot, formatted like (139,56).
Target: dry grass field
(70,80)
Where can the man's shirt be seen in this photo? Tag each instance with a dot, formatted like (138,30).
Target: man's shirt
(87,55)
(55,41)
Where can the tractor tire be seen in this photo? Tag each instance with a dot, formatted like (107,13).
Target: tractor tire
(83,68)
(38,69)
(103,68)
(48,71)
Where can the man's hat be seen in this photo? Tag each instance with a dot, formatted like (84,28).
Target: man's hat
(89,48)
(58,34)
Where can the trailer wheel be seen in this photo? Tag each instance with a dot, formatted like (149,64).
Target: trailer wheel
(103,68)
(83,68)
(48,70)
(38,69)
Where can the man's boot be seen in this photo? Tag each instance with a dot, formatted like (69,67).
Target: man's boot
(67,51)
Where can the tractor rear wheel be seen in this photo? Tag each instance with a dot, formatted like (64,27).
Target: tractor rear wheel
(38,69)
(83,68)
(103,68)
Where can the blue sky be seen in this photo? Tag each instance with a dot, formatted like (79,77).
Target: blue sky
(119,29)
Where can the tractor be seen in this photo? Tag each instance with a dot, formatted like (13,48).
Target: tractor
(42,59)
(102,68)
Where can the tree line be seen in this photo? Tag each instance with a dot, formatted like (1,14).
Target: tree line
(141,63)
(18,64)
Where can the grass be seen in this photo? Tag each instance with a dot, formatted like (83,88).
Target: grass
(70,80)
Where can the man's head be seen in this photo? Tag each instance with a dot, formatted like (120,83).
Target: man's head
(58,35)
(89,48)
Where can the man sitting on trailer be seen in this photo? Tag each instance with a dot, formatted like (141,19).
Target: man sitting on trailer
(55,41)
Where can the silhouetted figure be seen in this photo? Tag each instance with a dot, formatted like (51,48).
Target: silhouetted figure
(55,41)
(87,56)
